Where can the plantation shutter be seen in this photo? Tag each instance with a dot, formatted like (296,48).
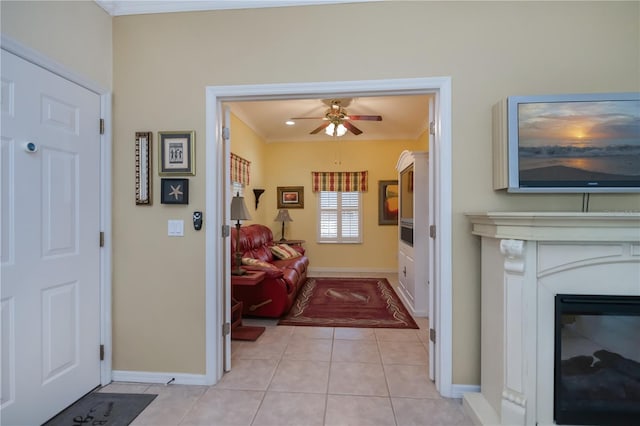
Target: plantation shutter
(328,215)
(350,215)
(340,217)
(339,209)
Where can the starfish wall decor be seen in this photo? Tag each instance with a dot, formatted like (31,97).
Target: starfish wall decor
(174,191)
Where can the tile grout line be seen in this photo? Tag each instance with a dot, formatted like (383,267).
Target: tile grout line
(384,372)
(326,395)
(264,393)
(193,404)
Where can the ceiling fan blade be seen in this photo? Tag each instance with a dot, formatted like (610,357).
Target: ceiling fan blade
(353,129)
(365,117)
(308,118)
(321,127)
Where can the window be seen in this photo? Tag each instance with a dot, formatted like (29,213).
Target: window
(339,217)
(237,188)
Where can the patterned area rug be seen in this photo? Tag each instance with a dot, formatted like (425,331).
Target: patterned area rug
(348,302)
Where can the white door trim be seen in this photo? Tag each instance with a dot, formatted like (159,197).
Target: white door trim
(43,61)
(215,217)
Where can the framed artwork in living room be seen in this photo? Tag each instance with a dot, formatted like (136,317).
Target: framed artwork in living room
(143,168)
(177,153)
(174,191)
(387,202)
(291,197)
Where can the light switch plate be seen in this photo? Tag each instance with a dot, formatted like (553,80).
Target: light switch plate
(175,228)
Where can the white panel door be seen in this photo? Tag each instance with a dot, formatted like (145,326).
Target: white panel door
(50,299)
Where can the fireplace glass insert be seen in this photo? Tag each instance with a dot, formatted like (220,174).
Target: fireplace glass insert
(597,360)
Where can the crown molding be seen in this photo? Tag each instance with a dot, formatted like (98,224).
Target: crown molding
(139,7)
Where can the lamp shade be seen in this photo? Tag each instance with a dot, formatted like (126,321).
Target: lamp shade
(283,216)
(239,209)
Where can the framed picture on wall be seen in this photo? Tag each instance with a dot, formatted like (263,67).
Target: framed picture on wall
(291,197)
(143,168)
(388,202)
(174,191)
(177,153)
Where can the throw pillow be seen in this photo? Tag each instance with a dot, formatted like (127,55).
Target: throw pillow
(249,261)
(284,251)
(271,270)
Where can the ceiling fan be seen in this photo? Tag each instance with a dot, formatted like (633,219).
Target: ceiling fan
(337,120)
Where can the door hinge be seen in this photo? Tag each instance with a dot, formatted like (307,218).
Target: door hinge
(225,133)
(226,231)
(432,127)
(226,329)
(101,239)
(101,352)
(102,126)
(432,335)
(432,231)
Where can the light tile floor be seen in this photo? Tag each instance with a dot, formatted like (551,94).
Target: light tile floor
(312,376)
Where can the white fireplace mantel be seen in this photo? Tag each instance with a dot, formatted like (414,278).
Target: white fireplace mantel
(549,226)
(528,258)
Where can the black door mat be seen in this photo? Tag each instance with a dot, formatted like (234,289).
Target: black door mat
(105,409)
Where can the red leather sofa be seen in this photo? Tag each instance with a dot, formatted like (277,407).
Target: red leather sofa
(273,296)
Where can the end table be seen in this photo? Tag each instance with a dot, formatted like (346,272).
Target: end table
(239,331)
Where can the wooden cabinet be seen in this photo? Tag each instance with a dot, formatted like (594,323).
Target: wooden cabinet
(413,230)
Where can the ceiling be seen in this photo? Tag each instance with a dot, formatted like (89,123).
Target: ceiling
(403,117)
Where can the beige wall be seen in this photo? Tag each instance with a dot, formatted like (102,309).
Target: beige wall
(162,63)
(75,34)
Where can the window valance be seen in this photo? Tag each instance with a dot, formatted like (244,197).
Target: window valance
(240,169)
(340,181)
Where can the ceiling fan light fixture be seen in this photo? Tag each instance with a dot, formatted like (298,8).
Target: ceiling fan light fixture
(337,122)
(329,129)
(333,130)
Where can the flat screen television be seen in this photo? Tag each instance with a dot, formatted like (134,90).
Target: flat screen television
(574,143)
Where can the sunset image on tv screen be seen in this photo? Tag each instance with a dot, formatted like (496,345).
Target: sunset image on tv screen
(579,141)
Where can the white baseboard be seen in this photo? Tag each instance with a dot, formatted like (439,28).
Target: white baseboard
(153,377)
(458,391)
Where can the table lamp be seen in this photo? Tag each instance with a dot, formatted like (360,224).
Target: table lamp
(283,216)
(238,212)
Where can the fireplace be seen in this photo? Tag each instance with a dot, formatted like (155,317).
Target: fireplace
(527,260)
(597,359)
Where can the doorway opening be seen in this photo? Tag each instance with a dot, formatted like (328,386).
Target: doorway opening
(217,273)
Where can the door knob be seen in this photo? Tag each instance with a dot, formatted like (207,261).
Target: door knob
(30,147)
